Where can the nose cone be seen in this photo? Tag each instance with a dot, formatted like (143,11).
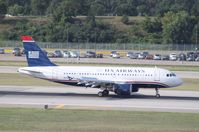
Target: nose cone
(178,82)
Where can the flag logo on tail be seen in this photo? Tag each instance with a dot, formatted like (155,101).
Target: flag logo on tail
(33,54)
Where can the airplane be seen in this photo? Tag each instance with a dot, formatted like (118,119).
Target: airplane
(120,80)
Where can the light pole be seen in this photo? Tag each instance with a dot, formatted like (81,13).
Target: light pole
(196,48)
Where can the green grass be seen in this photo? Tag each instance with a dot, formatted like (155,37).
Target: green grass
(95,121)
(188,84)
(23,80)
(172,68)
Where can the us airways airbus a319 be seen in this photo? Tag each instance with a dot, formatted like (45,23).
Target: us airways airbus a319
(120,80)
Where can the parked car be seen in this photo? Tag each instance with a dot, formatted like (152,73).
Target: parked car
(182,57)
(2,51)
(149,57)
(191,58)
(145,53)
(99,56)
(74,54)
(197,59)
(190,54)
(116,55)
(66,54)
(141,56)
(129,54)
(133,56)
(173,57)
(16,51)
(90,54)
(58,54)
(50,55)
(112,52)
(165,57)
(157,57)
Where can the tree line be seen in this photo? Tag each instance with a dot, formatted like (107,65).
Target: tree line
(166,21)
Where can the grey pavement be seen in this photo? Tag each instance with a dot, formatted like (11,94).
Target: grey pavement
(75,97)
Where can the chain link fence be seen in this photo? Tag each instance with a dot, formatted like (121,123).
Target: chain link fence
(108,46)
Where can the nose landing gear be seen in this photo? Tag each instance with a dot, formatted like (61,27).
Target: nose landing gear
(157,93)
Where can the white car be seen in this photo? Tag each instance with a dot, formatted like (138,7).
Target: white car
(157,57)
(74,54)
(66,54)
(141,56)
(116,55)
(173,57)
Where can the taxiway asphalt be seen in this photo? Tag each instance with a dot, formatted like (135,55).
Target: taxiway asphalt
(77,97)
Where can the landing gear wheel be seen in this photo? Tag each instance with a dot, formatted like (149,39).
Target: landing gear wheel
(100,94)
(105,93)
(157,93)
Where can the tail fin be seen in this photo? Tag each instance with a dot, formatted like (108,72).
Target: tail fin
(35,56)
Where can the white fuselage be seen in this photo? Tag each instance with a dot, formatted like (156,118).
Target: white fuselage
(120,75)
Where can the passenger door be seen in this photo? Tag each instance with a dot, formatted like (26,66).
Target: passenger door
(156,74)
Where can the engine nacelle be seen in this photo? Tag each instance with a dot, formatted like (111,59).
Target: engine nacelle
(124,89)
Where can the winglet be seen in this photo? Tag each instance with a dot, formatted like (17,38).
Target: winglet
(27,39)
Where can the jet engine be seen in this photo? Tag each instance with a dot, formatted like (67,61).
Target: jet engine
(124,89)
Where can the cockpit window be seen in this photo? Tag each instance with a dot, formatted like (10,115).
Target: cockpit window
(171,75)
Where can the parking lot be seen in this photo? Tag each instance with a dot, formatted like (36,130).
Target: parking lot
(123,59)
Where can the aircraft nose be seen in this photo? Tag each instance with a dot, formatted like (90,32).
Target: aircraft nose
(178,81)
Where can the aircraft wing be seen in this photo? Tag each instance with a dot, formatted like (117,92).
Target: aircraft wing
(93,82)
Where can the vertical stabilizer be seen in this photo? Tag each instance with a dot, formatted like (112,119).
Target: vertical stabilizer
(35,56)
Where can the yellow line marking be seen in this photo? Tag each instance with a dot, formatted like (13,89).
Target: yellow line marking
(60,106)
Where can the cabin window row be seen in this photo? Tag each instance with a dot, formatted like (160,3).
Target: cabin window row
(107,74)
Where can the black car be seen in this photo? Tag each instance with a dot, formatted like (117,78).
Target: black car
(182,57)
(165,57)
(99,56)
(58,54)
(16,51)
(191,56)
(2,51)
(90,54)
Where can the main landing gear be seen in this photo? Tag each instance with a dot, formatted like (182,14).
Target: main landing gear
(103,93)
(157,93)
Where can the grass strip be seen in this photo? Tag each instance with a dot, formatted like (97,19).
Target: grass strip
(31,120)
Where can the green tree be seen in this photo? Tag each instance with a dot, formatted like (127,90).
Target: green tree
(125,19)
(15,10)
(39,7)
(177,27)
(152,26)
(3,9)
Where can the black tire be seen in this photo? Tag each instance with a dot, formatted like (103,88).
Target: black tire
(100,94)
(105,93)
(157,95)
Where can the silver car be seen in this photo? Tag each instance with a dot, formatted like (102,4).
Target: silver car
(173,57)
